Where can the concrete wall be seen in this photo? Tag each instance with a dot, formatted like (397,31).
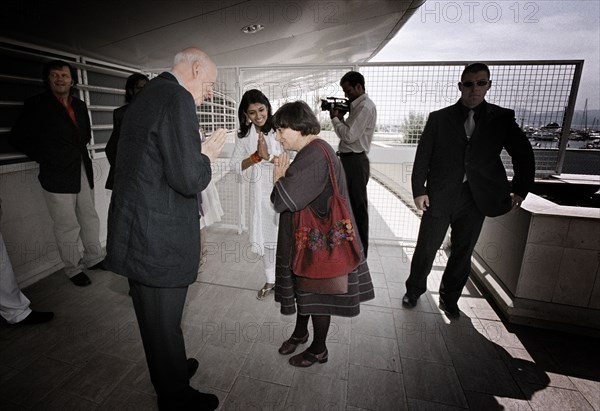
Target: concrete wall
(540,263)
(26,225)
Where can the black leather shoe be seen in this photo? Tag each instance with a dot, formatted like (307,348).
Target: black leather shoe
(192,367)
(192,400)
(306,359)
(98,266)
(36,317)
(204,402)
(451,311)
(81,280)
(289,345)
(409,300)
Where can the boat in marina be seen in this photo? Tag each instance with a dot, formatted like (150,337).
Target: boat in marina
(545,135)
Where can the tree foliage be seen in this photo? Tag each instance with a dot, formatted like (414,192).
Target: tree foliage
(412,127)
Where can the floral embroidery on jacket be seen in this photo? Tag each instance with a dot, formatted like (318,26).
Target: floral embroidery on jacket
(314,239)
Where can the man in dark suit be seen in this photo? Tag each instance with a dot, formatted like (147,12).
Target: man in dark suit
(54,130)
(134,84)
(458,179)
(153,230)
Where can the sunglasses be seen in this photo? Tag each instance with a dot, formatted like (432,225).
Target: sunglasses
(480,83)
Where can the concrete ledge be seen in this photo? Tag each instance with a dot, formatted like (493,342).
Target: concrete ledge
(539,265)
(534,313)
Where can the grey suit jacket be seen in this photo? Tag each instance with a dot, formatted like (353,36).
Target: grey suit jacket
(153,230)
(444,156)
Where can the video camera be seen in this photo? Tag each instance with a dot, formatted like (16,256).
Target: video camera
(335,103)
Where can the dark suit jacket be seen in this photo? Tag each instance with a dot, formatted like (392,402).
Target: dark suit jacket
(153,229)
(45,133)
(111,145)
(444,155)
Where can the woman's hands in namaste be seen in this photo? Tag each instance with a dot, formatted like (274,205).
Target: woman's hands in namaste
(262,148)
(281,165)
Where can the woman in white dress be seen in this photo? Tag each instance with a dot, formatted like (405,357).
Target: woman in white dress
(210,210)
(255,150)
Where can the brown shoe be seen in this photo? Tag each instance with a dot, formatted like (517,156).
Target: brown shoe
(289,345)
(306,359)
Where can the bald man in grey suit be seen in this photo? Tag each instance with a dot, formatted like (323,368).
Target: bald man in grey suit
(153,230)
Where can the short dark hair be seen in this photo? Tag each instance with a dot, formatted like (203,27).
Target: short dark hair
(253,96)
(130,85)
(354,78)
(57,64)
(474,68)
(297,116)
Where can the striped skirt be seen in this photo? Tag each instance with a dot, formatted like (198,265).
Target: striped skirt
(360,288)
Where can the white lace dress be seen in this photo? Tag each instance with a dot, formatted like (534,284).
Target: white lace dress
(263,219)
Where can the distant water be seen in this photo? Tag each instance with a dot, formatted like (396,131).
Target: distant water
(572,144)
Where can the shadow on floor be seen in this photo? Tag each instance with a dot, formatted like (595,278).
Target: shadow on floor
(90,356)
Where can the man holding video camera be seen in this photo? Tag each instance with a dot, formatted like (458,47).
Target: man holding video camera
(356,134)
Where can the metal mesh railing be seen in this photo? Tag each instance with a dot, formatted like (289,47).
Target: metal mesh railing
(540,92)
(405,93)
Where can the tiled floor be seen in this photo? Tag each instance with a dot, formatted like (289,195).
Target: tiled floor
(388,358)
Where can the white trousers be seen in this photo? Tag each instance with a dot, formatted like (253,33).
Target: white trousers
(75,217)
(14,306)
(269,262)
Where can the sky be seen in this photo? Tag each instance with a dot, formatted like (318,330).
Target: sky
(473,30)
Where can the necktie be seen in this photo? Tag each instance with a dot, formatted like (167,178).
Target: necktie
(470,124)
(469,128)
